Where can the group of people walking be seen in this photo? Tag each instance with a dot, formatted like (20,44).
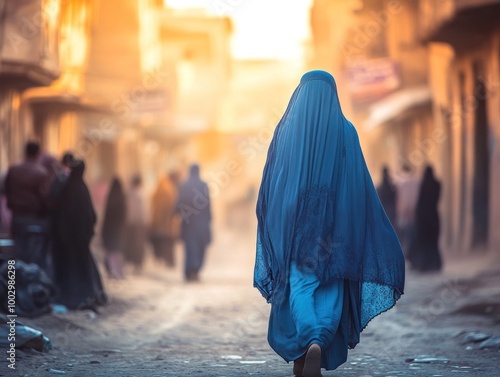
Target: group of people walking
(412,207)
(176,213)
(52,223)
(48,211)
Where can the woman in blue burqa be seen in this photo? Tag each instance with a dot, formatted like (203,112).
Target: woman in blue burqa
(328,259)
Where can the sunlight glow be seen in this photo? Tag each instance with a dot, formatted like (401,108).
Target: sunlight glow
(150,55)
(263,29)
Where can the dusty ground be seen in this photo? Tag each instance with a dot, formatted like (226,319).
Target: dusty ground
(156,325)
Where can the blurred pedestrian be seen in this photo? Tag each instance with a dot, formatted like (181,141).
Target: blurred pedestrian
(5,214)
(424,252)
(27,191)
(57,176)
(75,271)
(388,194)
(194,207)
(328,259)
(164,223)
(62,171)
(136,224)
(175,227)
(68,160)
(406,201)
(113,229)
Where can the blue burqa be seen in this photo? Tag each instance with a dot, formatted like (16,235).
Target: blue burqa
(322,230)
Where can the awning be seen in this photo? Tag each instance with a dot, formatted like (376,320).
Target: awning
(464,25)
(397,104)
(51,99)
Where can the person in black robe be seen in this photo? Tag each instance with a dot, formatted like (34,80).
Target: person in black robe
(387,193)
(194,207)
(113,229)
(424,251)
(75,271)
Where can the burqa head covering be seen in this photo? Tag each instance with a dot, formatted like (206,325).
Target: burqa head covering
(428,196)
(68,159)
(428,174)
(387,179)
(116,189)
(75,209)
(318,207)
(194,171)
(78,168)
(385,173)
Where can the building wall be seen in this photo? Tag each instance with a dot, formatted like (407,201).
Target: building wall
(74,41)
(458,96)
(331,47)
(196,57)
(445,134)
(386,30)
(61,125)
(494,118)
(29,51)
(37,92)
(29,57)
(123,73)
(404,45)
(13,134)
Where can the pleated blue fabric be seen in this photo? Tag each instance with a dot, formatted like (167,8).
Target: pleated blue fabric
(318,211)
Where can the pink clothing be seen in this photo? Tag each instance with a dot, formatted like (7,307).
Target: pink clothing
(406,200)
(136,207)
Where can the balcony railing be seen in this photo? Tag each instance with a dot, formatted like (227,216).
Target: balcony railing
(29,42)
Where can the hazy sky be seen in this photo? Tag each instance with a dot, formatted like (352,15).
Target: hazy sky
(262,28)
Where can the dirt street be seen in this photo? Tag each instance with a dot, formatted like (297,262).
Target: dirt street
(157,325)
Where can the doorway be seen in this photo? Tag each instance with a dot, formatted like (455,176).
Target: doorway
(481,192)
